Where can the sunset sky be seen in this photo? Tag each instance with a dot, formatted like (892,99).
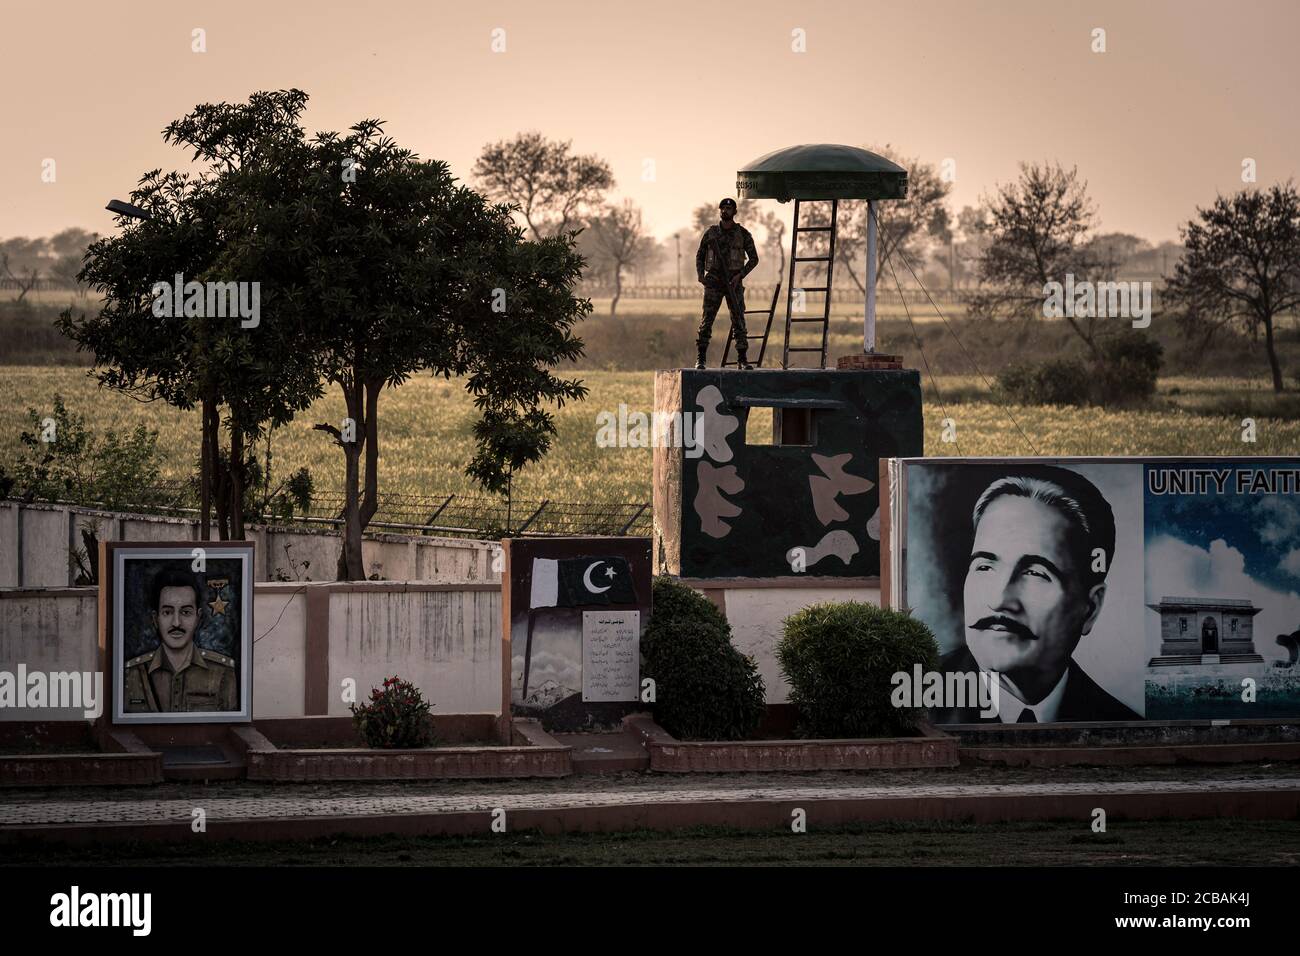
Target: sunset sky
(1157,124)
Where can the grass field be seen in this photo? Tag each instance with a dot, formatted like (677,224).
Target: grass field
(1156,843)
(426,436)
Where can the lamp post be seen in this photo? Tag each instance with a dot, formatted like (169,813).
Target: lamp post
(678,237)
(205,458)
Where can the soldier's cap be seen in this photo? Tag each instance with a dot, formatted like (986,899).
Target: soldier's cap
(727,202)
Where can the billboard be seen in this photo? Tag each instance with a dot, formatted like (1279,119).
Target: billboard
(1104,589)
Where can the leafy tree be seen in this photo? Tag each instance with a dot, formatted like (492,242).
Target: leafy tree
(1241,267)
(553,189)
(1037,231)
(905,227)
(391,267)
(68,251)
(260,375)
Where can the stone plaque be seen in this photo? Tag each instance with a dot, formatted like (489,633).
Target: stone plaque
(611,655)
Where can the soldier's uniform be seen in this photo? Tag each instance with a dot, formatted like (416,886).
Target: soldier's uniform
(737,245)
(205,682)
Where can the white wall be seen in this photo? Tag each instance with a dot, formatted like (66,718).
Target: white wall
(36,541)
(448,643)
(446,640)
(756,613)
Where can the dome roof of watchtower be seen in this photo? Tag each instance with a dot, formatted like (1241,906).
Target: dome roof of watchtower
(821,171)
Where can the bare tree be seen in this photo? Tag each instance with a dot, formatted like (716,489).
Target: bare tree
(20,262)
(1241,266)
(619,242)
(1037,232)
(553,189)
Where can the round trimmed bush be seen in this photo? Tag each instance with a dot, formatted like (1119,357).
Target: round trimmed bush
(705,689)
(839,659)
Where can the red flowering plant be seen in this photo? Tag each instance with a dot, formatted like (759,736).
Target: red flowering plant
(397,715)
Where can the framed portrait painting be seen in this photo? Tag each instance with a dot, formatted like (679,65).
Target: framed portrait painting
(179,626)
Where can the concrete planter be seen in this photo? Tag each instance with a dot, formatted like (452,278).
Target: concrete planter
(533,753)
(670,755)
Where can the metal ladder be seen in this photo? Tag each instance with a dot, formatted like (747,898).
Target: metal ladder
(795,259)
(770,312)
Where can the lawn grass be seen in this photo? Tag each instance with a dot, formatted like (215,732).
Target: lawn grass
(426,437)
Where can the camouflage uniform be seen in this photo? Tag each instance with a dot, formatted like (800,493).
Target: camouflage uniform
(206,682)
(738,246)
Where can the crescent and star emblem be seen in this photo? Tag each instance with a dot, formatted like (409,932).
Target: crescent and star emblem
(586,578)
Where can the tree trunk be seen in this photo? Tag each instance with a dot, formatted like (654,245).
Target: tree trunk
(1272,353)
(370,502)
(220,473)
(205,474)
(618,288)
(236,483)
(351,564)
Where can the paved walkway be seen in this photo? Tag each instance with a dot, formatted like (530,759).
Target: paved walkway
(15,815)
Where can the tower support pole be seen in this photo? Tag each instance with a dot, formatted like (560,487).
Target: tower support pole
(869,322)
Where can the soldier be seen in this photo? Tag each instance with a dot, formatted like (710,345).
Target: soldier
(725,257)
(179,676)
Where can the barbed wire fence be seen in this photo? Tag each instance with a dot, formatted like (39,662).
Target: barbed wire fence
(450,515)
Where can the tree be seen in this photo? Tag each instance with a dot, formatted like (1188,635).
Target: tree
(552,189)
(1037,232)
(261,375)
(905,227)
(619,242)
(68,251)
(1241,266)
(20,263)
(392,268)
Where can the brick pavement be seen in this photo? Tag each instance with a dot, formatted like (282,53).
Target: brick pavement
(15,815)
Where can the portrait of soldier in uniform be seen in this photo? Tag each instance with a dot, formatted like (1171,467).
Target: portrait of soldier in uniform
(726,255)
(178,676)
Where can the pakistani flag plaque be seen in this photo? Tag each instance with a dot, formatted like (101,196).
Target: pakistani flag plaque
(572,611)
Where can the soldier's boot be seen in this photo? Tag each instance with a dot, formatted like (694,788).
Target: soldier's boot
(702,354)
(742,353)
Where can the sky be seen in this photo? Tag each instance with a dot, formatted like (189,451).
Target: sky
(1158,124)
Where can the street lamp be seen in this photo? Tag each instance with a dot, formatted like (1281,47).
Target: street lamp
(678,237)
(127,209)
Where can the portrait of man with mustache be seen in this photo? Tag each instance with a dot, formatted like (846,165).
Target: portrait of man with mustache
(179,676)
(1044,540)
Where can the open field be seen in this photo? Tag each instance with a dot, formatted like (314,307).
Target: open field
(425,436)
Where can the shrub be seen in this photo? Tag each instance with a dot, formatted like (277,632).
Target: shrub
(839,659)
(705,689)
(397,715)
(675,604)
(1129,368)
(62,460)
(1054,382)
